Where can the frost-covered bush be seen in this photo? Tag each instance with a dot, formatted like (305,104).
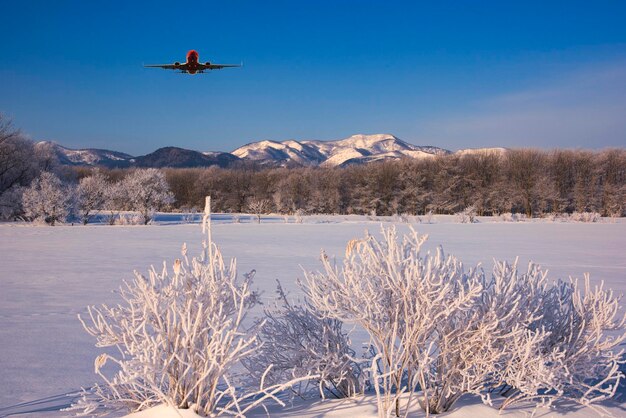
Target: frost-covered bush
(146,191)
(552,217)
(435,327)
(178,333)
(371,216)
(467,215)
(190,216)
(399,297)
(47,199)
(472,344)
(130,219)
(575,359)
(512,217)
(585,217)
(506,217)
(404,218)
(575,217)
(296,342)
(429,218)
(298,216)
(90,196)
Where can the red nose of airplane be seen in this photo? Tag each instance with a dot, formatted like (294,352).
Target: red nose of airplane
(192,55)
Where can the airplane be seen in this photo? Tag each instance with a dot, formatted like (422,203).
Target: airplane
(192,66)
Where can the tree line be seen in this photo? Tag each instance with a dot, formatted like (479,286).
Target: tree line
(528,181)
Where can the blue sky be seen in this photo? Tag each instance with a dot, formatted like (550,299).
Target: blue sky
(450,74)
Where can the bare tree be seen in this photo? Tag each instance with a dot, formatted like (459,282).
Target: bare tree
(563,178)
(611,168)
(523,168)
(584,181)
(258,207)
(17,165)
(11,203)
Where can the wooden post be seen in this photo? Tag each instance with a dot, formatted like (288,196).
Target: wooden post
(206,227)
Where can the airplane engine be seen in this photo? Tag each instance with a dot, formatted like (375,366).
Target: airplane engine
(176,64)
(207,63)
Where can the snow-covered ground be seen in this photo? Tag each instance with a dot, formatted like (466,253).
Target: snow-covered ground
(49,274)
(365,407)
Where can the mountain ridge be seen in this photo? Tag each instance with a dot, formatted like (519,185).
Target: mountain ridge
(356,149)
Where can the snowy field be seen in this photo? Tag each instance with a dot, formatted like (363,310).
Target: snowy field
(50,274)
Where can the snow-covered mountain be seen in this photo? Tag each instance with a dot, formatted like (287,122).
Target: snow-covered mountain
(280,153)
(88,156)
(357,149)
(162,157)
(353,150)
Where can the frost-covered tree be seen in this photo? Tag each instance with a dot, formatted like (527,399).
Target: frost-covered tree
(90,195)
(296,341)
(47,199)
(178,333)
(115,201)
(147,191)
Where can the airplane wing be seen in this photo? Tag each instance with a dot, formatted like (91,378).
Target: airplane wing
(217,66)
(181,67)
